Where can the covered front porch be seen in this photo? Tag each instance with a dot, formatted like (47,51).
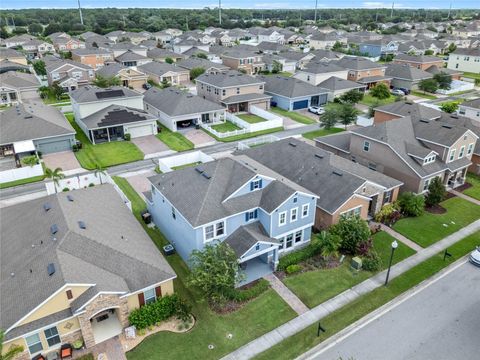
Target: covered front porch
(105,325)
(102,135)
(258,267)
(454,179)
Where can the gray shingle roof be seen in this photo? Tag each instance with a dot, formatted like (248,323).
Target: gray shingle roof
(299,164)
(202,200)
(472,103)
(113,252)
(175,102)
(191,63)
(340,141)
(30,121)
(290,87)
(417,58)
(246,236)
(335,83)
(159,68)
(130,56)
(322,67)
(110,70)
(228,79)
(358,63)
(157,53)
(414,110)
(244,97)
(115,115)
(89,93)
(18,80)
(406,72)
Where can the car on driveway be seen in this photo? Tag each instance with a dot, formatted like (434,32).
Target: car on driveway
(316,110)
(398,92)
(475,256)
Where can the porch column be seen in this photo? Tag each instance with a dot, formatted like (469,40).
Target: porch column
(92,137)
(108,134)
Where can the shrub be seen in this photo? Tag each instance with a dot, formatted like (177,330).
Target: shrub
(380,91)
(244,295)
(65,189)
(352,230)
(127,137)
(388,214)
(75,148)
(292,269)
(411,204)
(91,185)
(436,192)
(365,247)
(372,262)
(160,310)
(449,106)
(298,256)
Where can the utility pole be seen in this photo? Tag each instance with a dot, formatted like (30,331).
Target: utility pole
(376,16)
(186,20)
(220,11)
(449,10)
(391,13)
(80,11)
(316,6)
(123,18)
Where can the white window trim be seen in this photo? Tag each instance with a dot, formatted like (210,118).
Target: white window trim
(461,153)
(291,214)
(368,147)
(215,228)
(352,209)
(305,207)
(39,342)
(205,233)
(145,297)
(451,155)
(280,218)
(51,337)
(470,148)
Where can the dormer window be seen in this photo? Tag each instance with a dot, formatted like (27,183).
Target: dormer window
(256,185)
(429,160)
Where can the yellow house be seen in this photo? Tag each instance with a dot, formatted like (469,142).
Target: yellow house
(73,266)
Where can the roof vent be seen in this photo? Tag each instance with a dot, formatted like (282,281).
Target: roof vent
(51,269)
(206,176)
(54,229)
(70,198)
(320,156)
(47,206)
(292,144)
(199,170)
(28,117)
(338,173)
(447,126)
(81,225)
(424,121)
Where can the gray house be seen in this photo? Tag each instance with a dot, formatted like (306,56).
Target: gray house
(16,87)
(293,94)
(406,76)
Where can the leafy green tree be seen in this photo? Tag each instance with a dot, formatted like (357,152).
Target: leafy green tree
(30,160)
(196,72)
(428,52)
(428,85)
(348,114)
(380,91)
(337,46)
(443,80)
(104,82)
(276,67)
(169,60)
(165,84)
(12,351)
(436,192)
(329,243)
(35,28)
(330,117)
(449,106)
(451,48)
(39,67)
(411,204)
(55,175)
(215,271)
(352,96)
(57,90)
(52,28)
(201,55)
(352,231)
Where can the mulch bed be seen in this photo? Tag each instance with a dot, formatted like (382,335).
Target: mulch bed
(436,209)
(450,195)
(232,305)
(464,187)
(317,262)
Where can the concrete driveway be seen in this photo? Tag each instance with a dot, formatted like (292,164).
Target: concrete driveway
(198,137)
(150,144)
(65,160)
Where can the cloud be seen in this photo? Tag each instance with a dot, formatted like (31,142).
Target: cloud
(381,5)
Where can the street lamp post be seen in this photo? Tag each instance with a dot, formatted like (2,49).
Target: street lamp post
(394,246)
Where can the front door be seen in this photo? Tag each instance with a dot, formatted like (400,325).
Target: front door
(314,101)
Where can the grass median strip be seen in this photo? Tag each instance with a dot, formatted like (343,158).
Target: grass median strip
(340,319)
(255,318)
(244,136)
(321,132)
(22,181)
(295,116)
(174,140)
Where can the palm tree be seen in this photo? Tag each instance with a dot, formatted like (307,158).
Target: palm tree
(11,352)
(99,171)
(55,175)
(329,244)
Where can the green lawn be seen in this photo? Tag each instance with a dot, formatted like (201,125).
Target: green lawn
(474,191)
(251,118)
(345,316)
(295,116)
(245,136)
(22,181)
(369,100)
(423,95)
(226,126)
(174,140)
(186,165)
(52,100)
(259,316)
(321,132)
(430,228)
(315,287)
(472,75)
(281,73)
(106,154)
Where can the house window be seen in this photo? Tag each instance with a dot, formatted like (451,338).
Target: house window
(257,247)
(295,199)
(52,336)
(289,241)
(308,77)
(220,228)
(251,215)
(366,146)
(462,152)
(34,344)
(452,155)
(470,149)
(305,209)
(261,87)
(209,232)
(149,296)
(298,236)
(256,184)
(354,158)
(372,166)
(282,218)
(293,214)
(353,212)
(173,213)
(224,92)
(238,91)
(425,184)
(387,196)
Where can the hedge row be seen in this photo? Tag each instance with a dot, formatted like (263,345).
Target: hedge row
(298,256)
(244,295)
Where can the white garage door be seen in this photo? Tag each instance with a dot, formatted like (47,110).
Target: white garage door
(140,130)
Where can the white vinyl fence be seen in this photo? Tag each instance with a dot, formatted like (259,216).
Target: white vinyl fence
(24,172)
(166,164)
(247,144)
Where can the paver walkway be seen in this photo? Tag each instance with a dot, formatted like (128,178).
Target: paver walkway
(310,317)
(399,237)
(465,197)
(111,350)
(286,294)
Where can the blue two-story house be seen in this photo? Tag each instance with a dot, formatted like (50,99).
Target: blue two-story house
(258,214)
(378,48)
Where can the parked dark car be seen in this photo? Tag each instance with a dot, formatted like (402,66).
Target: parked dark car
(146,86)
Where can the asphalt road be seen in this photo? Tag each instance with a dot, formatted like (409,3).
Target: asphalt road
(441,322)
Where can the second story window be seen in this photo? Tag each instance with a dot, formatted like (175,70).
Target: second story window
(305,209)
(209,232)
(293,214)
(470,149)
(173,213)
(238,91)
(251,215)
(149,296)
(224,92)
(220,228)
(282,218)
(256,185)
(366,146)
(452,155)
(462,152)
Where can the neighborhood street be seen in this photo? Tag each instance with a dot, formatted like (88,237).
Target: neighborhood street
(441,322)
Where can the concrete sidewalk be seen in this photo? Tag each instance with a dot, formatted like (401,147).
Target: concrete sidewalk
(286,294)
(465,197)
(399,237)
(310,317)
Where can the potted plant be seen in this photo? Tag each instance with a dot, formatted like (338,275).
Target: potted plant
(77,344)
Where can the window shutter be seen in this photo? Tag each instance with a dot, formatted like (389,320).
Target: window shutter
(255,214)
(158,292)
(260,183)
(69,294)
(141,299)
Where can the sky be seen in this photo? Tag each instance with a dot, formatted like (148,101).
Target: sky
(258,4)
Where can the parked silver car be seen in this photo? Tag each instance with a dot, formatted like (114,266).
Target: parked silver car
(475,256)
(316,110)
